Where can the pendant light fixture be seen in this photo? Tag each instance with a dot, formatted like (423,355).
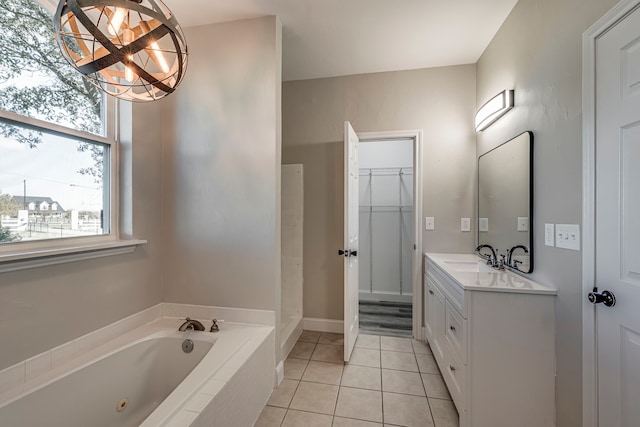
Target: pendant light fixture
(131,49)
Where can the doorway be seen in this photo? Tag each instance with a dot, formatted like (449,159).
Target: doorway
(390,205)
(386,237)
(611,253)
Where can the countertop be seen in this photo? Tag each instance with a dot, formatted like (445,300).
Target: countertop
(491,280)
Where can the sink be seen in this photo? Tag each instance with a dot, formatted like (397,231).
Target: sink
(469,267)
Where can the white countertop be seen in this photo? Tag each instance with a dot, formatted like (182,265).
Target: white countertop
(459,267)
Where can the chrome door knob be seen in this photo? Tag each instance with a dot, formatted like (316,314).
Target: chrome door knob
(606,297)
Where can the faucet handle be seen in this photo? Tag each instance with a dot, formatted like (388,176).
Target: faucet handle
(214,325)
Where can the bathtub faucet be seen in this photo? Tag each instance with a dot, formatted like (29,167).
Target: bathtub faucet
(191,325)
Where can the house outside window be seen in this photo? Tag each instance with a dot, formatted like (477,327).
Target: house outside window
(57,137)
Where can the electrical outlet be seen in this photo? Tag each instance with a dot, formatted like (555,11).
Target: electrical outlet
(549,235)
(465,224)
(568,236)
(483,224)
(429,223)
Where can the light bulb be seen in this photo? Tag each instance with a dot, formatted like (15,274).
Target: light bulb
(155,50)
(128,73)
(127,38)
(115,23)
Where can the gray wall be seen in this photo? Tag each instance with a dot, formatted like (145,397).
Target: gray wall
(441,101)
(44,307)
(221,170)
(537,52)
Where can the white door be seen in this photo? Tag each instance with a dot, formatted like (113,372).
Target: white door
(617,140)
(351,206)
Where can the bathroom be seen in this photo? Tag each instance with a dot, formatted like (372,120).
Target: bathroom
(213,152)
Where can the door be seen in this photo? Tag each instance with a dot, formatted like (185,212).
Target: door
(351,208)
(617,145)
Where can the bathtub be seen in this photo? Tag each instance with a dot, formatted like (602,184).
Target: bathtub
(144,378)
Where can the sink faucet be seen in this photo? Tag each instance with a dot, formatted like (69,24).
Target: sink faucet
(514,264)
(191,325)
(492,259)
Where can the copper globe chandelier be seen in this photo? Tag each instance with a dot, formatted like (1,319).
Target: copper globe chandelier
(131,49)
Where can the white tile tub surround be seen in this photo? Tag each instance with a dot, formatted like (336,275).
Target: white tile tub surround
(18,377)
(22,372)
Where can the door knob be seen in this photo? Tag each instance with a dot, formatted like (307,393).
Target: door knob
(353,253)
(606,297)
(341,252)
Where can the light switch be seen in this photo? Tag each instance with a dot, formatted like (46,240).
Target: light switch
(429,223)
(523,223)
(465,224)
(568,236)
(549,235)
(483,224)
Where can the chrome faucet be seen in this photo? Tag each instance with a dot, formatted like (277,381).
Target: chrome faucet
(191,325)
(492,259)
(514,263)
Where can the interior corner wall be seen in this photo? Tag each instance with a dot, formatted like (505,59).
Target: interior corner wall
(440,101)
(221,166)
(538,52)
(44,307)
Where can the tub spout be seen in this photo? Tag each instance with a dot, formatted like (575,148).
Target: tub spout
(191,325)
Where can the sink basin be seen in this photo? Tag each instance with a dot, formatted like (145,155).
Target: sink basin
(469,267)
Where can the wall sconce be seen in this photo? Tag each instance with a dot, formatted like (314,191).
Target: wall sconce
(493,109)
(130,49)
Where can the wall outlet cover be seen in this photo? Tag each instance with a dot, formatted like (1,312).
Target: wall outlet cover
(465,224)
(429,223)
(523,223)
(483,225)
(549,235)
(568,236)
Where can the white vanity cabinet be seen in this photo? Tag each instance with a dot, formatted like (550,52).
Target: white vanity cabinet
(493,336)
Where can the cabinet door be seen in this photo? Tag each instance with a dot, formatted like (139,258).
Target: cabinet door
(436,319)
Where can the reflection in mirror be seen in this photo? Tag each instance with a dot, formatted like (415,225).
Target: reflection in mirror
(505,203)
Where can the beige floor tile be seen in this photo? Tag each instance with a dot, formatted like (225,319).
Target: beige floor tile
(361,377)
(315,397)
(444,413)
(402,382)
(270,417)
(420,347)
(360,404)
(282,395)
(405,410)
(302,350)
(323,372)
(427,364)
(294,368)
(435,386)
(396,344)
(365,357)
(328,353)
(309,336)
(399,361)
(331,338)
(368,341)
(306,419)
(350,422)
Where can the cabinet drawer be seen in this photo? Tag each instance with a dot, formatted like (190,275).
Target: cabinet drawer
(454,374)
(453,292)
(455,332)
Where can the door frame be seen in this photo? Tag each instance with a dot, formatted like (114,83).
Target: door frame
(589,344)
(416,279)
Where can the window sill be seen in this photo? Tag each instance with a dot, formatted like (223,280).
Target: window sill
(26,259)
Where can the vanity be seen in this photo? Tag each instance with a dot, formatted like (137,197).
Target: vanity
(492,334)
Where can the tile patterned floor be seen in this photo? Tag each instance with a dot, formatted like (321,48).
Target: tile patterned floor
(389,381)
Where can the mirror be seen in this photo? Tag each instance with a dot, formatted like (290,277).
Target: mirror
(505,201)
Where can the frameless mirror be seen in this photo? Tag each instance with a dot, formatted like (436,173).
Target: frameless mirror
(505,201)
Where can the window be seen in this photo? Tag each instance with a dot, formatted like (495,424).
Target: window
(57,147)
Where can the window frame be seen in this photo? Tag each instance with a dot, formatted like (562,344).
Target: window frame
(37,253)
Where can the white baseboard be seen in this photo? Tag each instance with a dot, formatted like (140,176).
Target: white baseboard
(323,325)
(279,373)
